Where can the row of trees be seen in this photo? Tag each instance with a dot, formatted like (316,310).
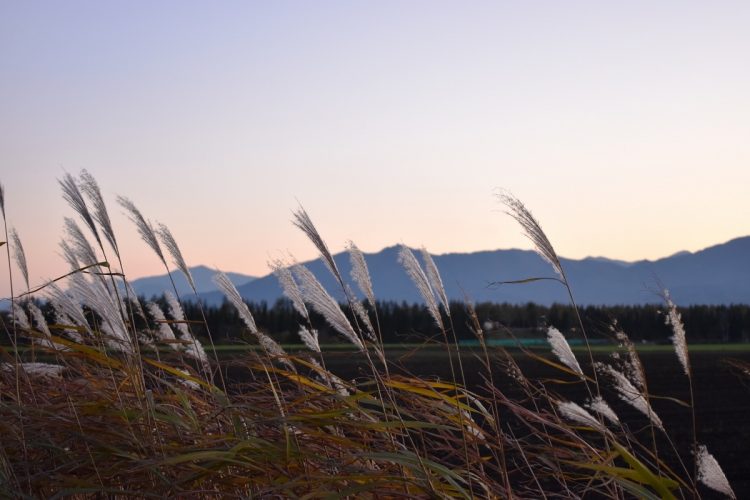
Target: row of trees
(402,322)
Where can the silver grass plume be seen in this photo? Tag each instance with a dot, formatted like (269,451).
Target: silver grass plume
(532,229)
(630,394)
(96,295)
(407,259)
(36,370)
(41,325)
(561,349)
(289,286)
(132,295)
(321,301)
(187,383)
(69,255)
(194,348)
(309,338)
(673,318)
(163,330)
(20,256)
(82,250)
(91,189)
(62,319)
(579,415)
(433,275)
(145,229)
(68,310)
(226,286)
(72,194)
(175,310)
(332,380)
(633,366)
(21,319)
(360,274)
(710,473)
(601,407)
(361,313)
(165,235)
(303,222)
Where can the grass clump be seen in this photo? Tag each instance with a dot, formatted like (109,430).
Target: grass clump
(109,396)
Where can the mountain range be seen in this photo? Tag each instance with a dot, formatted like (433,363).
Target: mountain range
(202,277)
(716,275)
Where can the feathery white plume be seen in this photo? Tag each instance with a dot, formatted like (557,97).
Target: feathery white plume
(69,255)
(359,273)
(38,370)
(178,315)
(410,263)
(561,349)
(226,286)
(196,351)
(91,188)
(233,296)
(20,256)
(710,473)
(602,408)
(579,415)
(21,319)
(361,313)
(633,367)
(168,240)
(72,194)
(674,319)
(289,286)
(532,229)
(194,348)
(163,331)
(309,338)
(303,222)
(190,384)
(433,275)
(320,300)
(95,294)
(82,251)
(631,394)
(41,325)
(63,321)
(145,229)
(68,309)
(132,295)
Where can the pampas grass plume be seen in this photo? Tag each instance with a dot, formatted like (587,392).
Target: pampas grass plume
(710,473)
(20,256)
(561,349)
(410,263)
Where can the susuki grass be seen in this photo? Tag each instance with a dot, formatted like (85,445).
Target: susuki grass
(109,396)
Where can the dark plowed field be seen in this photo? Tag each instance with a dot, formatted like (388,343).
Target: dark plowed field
(722,399)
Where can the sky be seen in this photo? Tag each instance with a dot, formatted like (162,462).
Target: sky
(623,126)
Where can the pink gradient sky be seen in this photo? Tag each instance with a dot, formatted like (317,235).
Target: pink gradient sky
(623,125)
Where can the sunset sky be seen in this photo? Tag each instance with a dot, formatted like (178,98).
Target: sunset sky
(624,126)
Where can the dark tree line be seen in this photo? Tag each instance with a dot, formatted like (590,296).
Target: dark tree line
(402,322)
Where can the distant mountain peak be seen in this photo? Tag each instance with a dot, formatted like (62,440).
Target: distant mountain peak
(150,286)
(719,274)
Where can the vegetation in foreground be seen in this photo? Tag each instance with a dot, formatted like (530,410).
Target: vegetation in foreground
(132,404)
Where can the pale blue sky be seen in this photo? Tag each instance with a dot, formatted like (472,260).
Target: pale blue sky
(623,125)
